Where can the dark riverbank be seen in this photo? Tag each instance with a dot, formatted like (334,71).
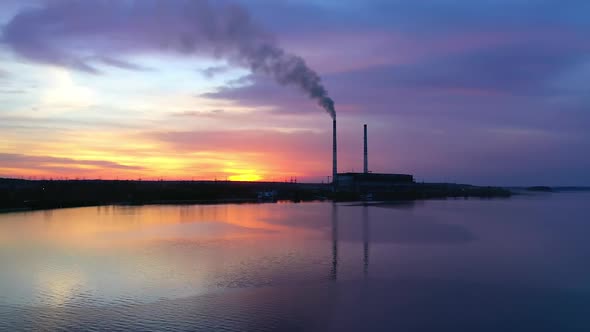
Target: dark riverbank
(16,194)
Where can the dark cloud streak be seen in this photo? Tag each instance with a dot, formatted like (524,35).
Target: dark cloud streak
(21,160)
(121,64)
(211,72)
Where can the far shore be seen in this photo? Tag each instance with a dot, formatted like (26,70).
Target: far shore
(27,195)
(24,195)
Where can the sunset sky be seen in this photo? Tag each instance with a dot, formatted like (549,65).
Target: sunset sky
(481,92)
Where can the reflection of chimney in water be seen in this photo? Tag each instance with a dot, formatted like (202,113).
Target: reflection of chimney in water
(366,240)
(334,272)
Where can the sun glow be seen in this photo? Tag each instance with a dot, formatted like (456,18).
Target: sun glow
(245,177)
(65,92)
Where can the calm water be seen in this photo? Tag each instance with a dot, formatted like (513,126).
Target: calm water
(521,264)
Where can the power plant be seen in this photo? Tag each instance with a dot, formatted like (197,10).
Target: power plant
(366,181)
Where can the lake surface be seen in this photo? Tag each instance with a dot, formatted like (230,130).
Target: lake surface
(519,264)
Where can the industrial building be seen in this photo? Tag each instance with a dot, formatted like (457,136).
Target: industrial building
(360,182)
(367,181)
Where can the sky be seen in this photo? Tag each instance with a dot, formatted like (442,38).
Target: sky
(480,92)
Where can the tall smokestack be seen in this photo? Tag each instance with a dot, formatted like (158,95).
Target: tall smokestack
(366,154)
(334,156)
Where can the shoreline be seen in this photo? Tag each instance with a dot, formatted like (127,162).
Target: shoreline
(30,195)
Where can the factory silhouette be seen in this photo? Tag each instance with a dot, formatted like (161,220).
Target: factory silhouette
(18,194)
(366,182)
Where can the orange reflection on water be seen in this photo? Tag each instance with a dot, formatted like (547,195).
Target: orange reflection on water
(109,225)
(161,250)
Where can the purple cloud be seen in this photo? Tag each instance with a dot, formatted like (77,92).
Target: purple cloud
(70,33)
(259,91)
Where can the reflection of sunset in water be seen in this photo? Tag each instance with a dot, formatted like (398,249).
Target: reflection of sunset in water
(59,287)
(151,250)
(105,226)
(189,263)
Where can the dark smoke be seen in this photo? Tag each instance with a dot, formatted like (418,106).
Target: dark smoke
(78,34)
(289,69)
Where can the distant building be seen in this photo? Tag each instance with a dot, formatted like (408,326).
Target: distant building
(359,182)
(367,182)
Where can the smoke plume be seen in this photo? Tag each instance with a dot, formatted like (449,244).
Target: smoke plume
(81,34)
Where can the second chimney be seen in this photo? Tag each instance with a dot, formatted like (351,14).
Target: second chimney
(366,159)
